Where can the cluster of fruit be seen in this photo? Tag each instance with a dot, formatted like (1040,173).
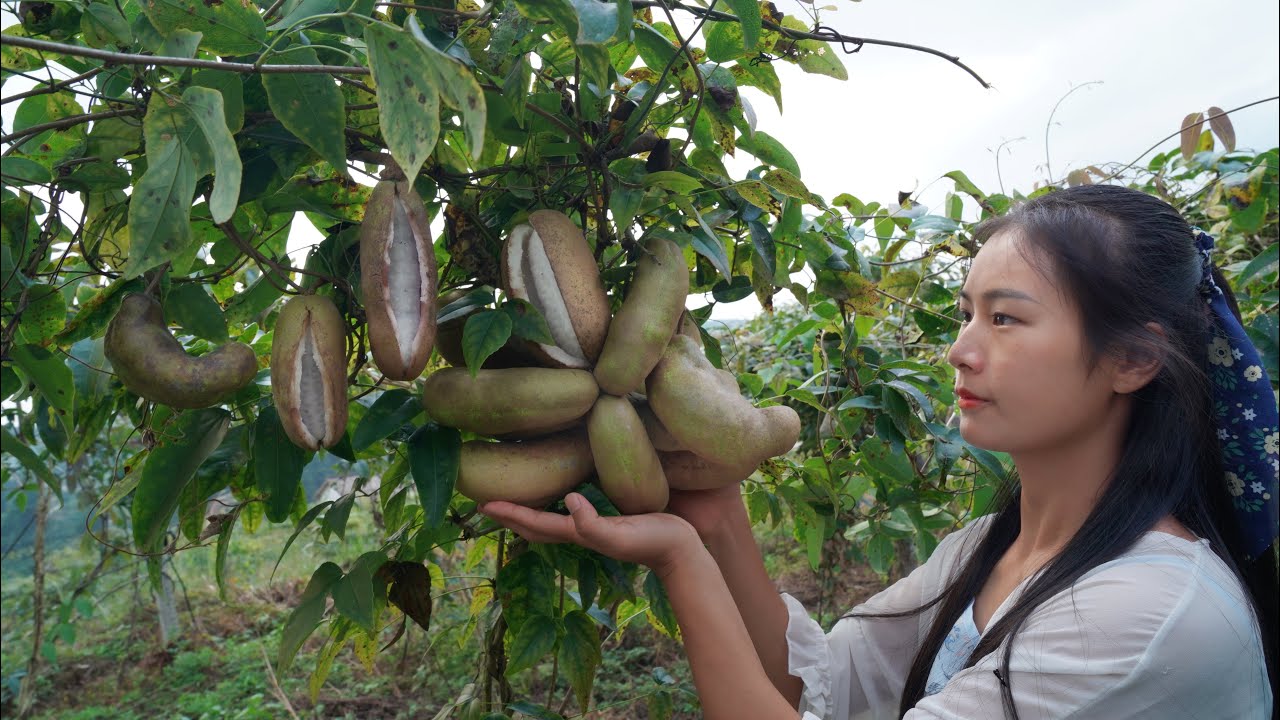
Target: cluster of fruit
(628,397)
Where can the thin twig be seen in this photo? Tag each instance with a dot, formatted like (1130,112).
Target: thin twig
(823,36)
(275,684)
(67,122)
(52,87)
(134,59)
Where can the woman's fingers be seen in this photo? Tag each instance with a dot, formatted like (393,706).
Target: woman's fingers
(533,525)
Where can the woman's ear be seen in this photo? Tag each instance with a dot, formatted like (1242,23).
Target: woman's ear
(1141,362)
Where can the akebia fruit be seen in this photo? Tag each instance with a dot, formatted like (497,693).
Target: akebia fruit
(628,466)
(528,472)
(708,418)
(686,471)
(548,263)
(153,364)
(398,280)
(523,401)
(309,371)
(647,319)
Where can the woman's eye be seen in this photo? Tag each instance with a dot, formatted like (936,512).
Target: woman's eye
(964,316)
(1001,319)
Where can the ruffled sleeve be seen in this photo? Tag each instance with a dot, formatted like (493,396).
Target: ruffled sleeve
(858,670)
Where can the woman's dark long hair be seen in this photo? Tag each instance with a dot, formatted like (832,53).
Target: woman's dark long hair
(1125,258)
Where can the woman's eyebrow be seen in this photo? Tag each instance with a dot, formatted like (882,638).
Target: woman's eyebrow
(1001,294)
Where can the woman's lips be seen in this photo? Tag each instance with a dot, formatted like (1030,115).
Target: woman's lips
(968,401)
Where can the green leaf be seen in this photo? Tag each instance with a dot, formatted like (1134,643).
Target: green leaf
(221,553)
(707,244)
(191,306)
(185,444)
(51,146)
(434,456)
(757,193)
(536,638)
(52,378)
(19,170)
(206,109)
(160,207)
(306,520)
(724,41)
(527,322)
(580,654)
(748,12)
(310,106)
(18,449)
(353,595)
(277,464)
(765,147)
(526,587)
(878,456)
(483,334)
(44,315)
(335,521)
(228,84)
(823,60)
(1264,262)
(660,605)
(295,11)
(306,616)
(228,28)
(408,99)
(388,414)
(761,76)
(786,183)
(880,553)
(673,181)
(727,292)
(530,709)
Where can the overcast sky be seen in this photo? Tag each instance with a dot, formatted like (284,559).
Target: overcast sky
(904,118)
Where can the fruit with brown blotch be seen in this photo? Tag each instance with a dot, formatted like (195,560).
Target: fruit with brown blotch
(628,467)
(398,279)
(709,419)
(309,371)
(547,262)
(687,471)
(153,364)
(523,401)
(647,319)
(528,472)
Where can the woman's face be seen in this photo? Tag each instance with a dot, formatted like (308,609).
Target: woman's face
(1022,378)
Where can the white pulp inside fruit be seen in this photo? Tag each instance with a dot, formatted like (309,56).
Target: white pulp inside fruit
(404,280)
(533,278)
(311,390)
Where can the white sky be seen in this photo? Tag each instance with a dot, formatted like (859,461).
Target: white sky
(904,118)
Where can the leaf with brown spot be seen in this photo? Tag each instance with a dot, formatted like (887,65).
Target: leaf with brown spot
(408,101)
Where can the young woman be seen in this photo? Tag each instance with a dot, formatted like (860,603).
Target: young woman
(1127,572)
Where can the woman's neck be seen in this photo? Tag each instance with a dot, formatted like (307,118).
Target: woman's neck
(1061,485)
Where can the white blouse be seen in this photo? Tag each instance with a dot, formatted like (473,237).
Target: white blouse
(1163,631)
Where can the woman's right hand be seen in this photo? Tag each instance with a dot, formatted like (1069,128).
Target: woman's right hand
(708,511)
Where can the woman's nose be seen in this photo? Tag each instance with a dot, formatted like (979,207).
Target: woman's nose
(964,354)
